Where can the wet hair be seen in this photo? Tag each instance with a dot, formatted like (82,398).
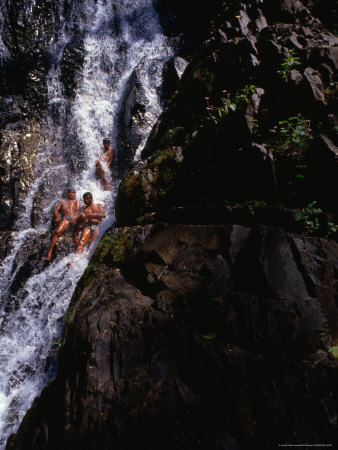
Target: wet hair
(106,140)
(88,194)
(71,190)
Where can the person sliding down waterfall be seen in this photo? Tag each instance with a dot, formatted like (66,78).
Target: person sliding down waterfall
(88,222)
(69,212)
(107,157)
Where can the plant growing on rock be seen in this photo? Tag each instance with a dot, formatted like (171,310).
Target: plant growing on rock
(291,136)
(331,92)
(289,64)
(230,103)
(332,229)
(172,137)
(309,217)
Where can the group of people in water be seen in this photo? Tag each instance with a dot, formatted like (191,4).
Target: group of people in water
(85,219)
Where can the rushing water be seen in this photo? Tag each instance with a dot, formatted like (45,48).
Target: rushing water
(118,37)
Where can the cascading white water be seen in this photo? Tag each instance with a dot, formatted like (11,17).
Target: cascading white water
(119,36)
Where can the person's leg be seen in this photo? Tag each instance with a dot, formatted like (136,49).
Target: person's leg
(93,236)
(100,173)
(101,176)
(77,228)
(62,227)
(84,238)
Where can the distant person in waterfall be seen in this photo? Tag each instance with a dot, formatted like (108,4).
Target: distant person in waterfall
(107,157)
(88,222)
(69,210)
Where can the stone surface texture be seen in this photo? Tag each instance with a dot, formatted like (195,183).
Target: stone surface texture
(212,336)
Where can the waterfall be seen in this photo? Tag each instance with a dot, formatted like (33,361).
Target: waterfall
(117,37)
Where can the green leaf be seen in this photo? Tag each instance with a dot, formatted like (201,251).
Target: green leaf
(233,106)
(210,336)
(334,351)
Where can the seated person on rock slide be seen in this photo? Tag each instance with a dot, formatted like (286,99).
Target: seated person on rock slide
(88,222)
(69,210)
(107,157)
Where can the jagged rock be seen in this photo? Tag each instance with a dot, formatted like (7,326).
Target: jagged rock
(6,243)
(172,72)
(315,83)
(213,314)
(27,35)
(17,161)
(323,160)
(131,120)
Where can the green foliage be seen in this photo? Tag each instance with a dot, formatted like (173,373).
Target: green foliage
(332,229)
(291,136)
(172,137)
(331,92)
(146,218)
(289,64)
(69,312)
(113,249)
(295,130)
(255,126)
(210,336)
(251,203)
(243,96)
(57,343)
(334,351)
(161,156)
(256,203)
(309,217)
(230,103)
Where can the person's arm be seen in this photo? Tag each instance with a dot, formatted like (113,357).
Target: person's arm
(111,157)
(102,211)
(57,218)
(77,208)
(98,214)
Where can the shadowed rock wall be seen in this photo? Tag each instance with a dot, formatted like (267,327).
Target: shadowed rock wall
(210,337)
(253,119)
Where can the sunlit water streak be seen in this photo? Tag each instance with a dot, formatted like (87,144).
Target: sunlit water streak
(120,36)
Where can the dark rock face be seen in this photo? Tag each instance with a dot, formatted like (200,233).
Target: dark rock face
(263,79)
(130,121)
(17,169)
(28,33)
(211,336)
(187,23)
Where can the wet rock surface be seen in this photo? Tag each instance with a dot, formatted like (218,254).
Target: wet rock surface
(28,31)
(131,120)
(187,336)
(17,167)
(29,260)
